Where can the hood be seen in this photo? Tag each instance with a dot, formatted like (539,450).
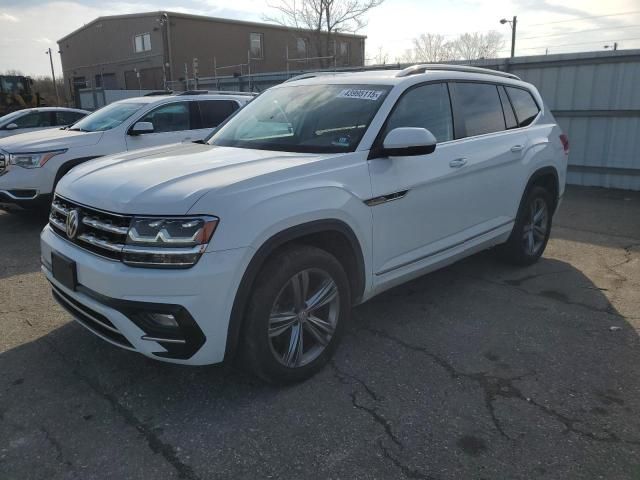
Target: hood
(50,139)
(168,180)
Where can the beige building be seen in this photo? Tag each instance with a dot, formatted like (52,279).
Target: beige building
(145,50)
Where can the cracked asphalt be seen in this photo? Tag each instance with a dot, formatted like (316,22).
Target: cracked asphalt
(477,371)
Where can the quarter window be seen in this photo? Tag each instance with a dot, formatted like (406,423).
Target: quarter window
(142,42)
(426,106)
(67,118)
(172,117)
(509,116)
(214,112)
(525,106)
(255,40)
(479,108)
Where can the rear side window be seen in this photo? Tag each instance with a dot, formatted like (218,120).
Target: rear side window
(479,108)
(426,106)
(509,116)
(67,118)
(172,117)
(525,106)
(214,112)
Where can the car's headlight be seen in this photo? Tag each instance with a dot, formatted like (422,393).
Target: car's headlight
(33,159)
(170,242)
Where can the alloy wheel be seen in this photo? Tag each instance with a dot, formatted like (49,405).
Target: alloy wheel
(534,232)
(303,317)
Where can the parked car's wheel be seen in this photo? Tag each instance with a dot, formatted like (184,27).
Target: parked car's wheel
(531,230)
(296,315)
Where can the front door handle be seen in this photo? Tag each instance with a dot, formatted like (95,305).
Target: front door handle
(458,162)
(517,148)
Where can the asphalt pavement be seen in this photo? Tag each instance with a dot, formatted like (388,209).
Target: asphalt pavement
(477,371)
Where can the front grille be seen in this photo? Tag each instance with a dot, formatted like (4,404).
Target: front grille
(4,162)
(91,319)
(99,232)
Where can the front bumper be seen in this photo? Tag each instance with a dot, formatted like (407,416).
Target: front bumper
(21,186)
(111,301)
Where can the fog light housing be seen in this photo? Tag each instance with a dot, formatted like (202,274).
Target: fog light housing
(155,321)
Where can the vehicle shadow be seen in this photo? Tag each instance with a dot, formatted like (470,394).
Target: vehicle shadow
(19,239)
(479,367)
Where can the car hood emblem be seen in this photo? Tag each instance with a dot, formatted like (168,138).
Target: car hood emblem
(73,224)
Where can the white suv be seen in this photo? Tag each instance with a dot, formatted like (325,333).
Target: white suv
(31,164)
(318,195)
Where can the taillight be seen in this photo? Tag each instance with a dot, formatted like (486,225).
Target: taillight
(565,143)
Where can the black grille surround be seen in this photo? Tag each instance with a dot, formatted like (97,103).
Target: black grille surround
(99,232)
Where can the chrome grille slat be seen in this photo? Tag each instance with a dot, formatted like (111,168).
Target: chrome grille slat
(104,226)
(97,242)
(102,233)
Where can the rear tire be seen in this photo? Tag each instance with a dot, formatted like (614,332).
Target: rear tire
(296,316)
(530,233)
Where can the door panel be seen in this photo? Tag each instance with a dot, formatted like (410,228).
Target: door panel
(455,194)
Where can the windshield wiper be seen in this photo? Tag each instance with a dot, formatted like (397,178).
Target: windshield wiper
(78,129)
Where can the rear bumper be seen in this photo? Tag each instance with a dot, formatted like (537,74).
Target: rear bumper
(113,301)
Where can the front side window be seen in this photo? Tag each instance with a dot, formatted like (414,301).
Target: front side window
(525,106)
(34,120)
(310,118)
(107,117)
(142,42)
(255,39)
(173,117)
(425,106)
(214,112)
(479,108)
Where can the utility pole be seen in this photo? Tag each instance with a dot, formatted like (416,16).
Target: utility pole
(513,36)
(53,75)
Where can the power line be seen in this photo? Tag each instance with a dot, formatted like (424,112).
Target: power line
(584,18)
(579,31)
(574,44)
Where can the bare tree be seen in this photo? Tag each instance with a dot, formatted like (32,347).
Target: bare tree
(324,18)
(433,48)
(473,46)
(381,57)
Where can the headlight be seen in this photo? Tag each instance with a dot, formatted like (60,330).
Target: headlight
(170,242)
(33,159)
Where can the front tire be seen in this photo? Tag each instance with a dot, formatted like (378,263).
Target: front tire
(296,315)
(532,228)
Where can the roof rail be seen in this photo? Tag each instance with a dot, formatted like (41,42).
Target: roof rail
(417,69)
(311,75)
(158,92)
(215,92)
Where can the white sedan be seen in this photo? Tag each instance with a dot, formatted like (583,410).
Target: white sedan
(32,119)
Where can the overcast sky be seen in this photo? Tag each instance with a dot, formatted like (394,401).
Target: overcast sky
(29,27)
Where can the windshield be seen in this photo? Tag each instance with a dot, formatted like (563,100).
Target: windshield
(107,117)
(10,116)
(304,118)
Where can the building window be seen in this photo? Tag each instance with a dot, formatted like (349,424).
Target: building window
(344,49)
(301,47)
(256,39)
(143,42)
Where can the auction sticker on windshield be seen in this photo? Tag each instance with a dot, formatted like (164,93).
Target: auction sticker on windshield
(361,94)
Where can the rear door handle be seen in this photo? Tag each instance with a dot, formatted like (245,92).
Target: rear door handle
(517,148)
(458,162)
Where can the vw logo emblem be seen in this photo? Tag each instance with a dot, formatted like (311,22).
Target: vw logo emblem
(73,224)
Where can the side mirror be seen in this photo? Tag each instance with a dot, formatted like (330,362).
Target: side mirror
(11,126)
(408,141)
(141,128)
